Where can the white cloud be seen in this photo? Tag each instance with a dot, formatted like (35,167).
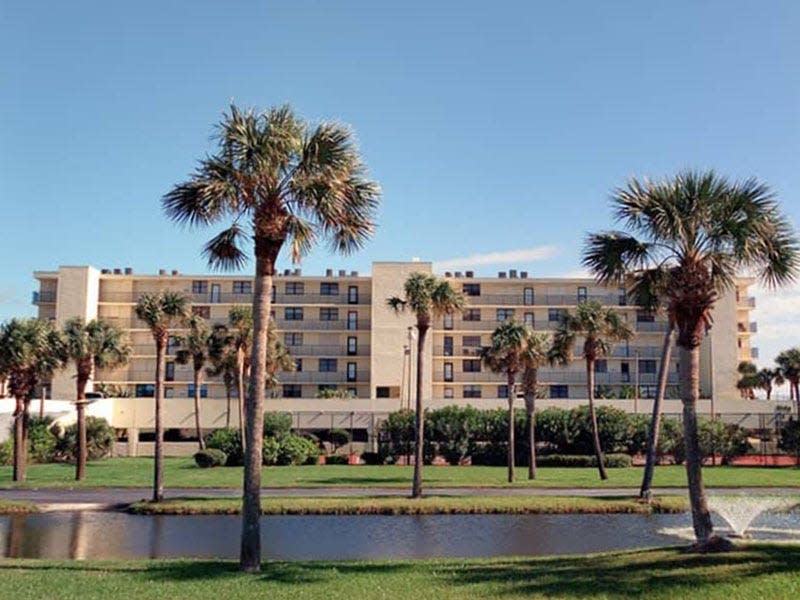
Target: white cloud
(777,313)
(522,255)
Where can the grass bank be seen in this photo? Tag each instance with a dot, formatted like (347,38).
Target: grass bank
(15,507)
(182,472)
(424,506)
(757,571)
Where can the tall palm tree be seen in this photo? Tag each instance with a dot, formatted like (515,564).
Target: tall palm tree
(504,355)
(534,355)
(696,230)
(767,379)
(222,355)
(161,312)
(278,180)
(91,345)
(599,327)
(30,351)
(425,297)
(195,347)
(788,363)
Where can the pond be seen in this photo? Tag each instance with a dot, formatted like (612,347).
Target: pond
(113,535)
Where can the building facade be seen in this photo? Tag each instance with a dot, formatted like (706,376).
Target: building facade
(347,341)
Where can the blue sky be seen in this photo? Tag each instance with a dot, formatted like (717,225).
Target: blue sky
(492,127)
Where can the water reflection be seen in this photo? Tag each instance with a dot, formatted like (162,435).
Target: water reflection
(90,535)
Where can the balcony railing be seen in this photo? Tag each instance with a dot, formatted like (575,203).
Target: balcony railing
(568,377)
(321,377)
(43,297)
(652,327)
(542,299)
(316,324)
(490,325)
(227,298)
(327,350)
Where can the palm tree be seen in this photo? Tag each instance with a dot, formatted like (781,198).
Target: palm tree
(30,351)
(241,321)
(767,379)
(748,381)
(504,355)
(534,355)
(599,327)
(161,312)
(279,181)
(195,347)
(426,297)
(222,355)
(696,230)
(788,363)
(91,345)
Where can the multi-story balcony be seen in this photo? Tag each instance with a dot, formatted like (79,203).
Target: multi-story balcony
(555,300)
(652,326)
(324,377)
(317,325)
(43,298)
(747,302)
(227,298)
(568,377)
(490,325)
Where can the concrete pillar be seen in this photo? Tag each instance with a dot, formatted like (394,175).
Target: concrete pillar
(133,441)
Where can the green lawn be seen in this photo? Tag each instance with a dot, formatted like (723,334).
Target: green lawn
(758,571)
(427,505)
(182,472)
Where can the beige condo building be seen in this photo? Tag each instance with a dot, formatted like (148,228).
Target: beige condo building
(344,337)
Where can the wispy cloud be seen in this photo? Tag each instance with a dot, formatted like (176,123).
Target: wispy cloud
(778,315)
(522,255)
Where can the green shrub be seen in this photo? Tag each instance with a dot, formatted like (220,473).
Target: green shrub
(230,442)
(211,457)
(277,424)
(371,458)
(100,439)
(270,451)
(396,435)
(335,459)
(6,452)
(790,437)
(42,440)
(716,438)
(296,450)
(336,438)
(612,461)
(452,431)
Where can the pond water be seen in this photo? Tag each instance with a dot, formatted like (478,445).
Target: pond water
(111,535)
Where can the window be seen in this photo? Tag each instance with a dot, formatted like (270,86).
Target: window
(352,346)
(328,314)
(202,311)
(169,371)
(326,288)
(448,392)
(529,320)
(295,288)
(471,289)
(199,287)
(448,371)
(382,391)
(352,320)
(327,365)
(647,391)
(145,390)
(293,339)
(203,390)
(527,297)
(471,366)
(172,344)
(472,314)
(471,345)
(242,287)
(556,315)
(216,293)
(559,391)
(447,349)
(351,371)
(647,366)
(504,314)
(645,316)
(448,321)
(625,372)
(292,390)
(502,391)
(582,295)
(352,294)
(298,365)
(293,313)
(169,392)
(601,366)
(622,297)
(273,294)
(472,391)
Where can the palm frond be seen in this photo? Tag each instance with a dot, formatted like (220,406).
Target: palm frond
(224,251)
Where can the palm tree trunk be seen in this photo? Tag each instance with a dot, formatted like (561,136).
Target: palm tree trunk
(510,384)
(158,471)
(646,492)
(250,552)
(228,406)
(20,450)
(530,409)
(690,392)
(197,381)
(80,404)
(240,392)
(419,428)
(598,451)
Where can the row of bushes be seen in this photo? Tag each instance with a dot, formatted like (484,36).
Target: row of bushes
(48,442)
(464,433)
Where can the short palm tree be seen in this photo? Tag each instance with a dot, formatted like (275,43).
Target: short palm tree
(222,355)
(279,181)
(161,312)
(504,355)
(91,345)
(30,351)
(697,230)
(599,327)
(241,339)
(788,363)
(748,380)
(534,355)
(195,348)
(767,379)
(425,297)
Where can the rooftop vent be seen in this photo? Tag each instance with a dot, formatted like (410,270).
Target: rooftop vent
(175,272)
(342,273)
(512,273)
(458,274)
(128,271)
(287,271)
(523,274)
(117,271)
(470,274)
(501,274)
(298,272)
(105,271)
(328,272)
(162,271)
(448,273)
(353,273)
